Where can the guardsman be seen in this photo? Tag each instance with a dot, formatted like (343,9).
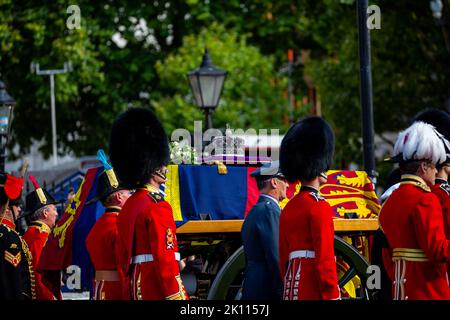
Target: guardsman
(441,121)
(262,279)
(411,218)
(147,245)
(101,240)
(306,241)
(16,264)
(41,213)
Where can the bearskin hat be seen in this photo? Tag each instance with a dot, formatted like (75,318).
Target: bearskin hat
(138,146)
(437,118)
(421,141)
(307,149)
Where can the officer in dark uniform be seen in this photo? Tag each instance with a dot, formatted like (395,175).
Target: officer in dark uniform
(16,269)
(262,279)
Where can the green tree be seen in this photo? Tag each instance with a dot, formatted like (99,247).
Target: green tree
(253,92)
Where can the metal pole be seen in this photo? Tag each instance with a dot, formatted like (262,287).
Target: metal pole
(2,153)
(51,73)
(291,107)
(208,118)
(53,111)
(366,89)
(290,95)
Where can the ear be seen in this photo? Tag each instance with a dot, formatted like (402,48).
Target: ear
(423,167)
(273,183)
(118,196)
(45,212)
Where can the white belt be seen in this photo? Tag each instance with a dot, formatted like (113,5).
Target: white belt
(302,254)
(141,258)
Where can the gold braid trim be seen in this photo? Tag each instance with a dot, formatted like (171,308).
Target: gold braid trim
(180,295)
(29,257)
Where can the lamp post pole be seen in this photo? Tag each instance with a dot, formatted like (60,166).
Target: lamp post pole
(51,73)
(366,89)
(208,118)
(2,152)
(7,104)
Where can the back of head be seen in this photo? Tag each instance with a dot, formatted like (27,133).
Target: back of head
(138,146)
(307,149)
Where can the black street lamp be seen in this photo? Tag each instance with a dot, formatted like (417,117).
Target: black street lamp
(206,84)
(7,104)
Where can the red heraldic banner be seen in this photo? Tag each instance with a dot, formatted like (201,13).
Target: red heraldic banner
(57,254)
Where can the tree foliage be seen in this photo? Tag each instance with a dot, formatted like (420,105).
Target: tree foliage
(165,39)
(253,92)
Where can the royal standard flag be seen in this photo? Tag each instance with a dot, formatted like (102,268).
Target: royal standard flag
(65,245)
(351,194)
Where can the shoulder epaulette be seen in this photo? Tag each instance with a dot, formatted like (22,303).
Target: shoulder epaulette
(42,227)
(317,196)
(156,196)
(418,184)
(11,230)
(445,187)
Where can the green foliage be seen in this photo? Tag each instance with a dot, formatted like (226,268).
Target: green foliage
(410,65)
(253,92)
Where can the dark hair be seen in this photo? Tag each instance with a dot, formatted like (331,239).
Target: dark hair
(410,167)
(262,182)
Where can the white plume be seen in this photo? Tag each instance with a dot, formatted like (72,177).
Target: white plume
(421,141)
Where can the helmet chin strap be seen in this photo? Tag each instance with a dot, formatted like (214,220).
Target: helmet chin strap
(161,174)
(323,175)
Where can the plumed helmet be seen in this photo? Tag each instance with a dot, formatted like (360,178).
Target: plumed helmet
(307,149)
(438,119)
(107,182)
(38,198)
(421,141)
(138,146)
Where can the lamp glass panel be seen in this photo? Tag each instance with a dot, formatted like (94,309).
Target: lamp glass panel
(196,91)
(218,89)
(208,87)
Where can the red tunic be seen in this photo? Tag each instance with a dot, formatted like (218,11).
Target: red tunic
(36,237)
(412,221)
(100,244)
(306,223)
(442,190)
(147,238)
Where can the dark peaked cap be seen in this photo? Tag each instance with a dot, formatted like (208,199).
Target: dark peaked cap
(307,149)
(138,146)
